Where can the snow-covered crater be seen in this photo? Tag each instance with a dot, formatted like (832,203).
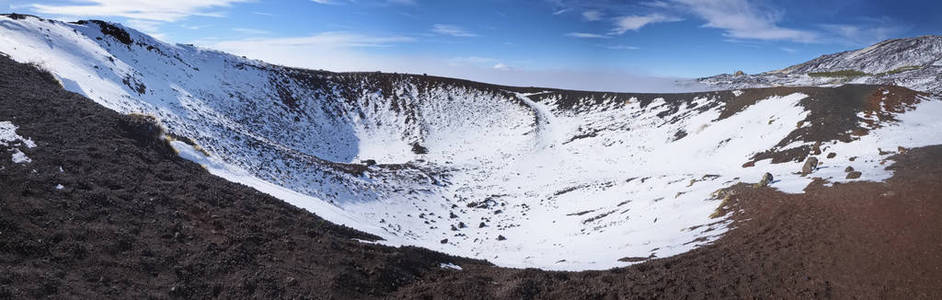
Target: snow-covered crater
(522,177)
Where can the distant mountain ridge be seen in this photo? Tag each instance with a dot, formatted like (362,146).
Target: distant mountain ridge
(914,63)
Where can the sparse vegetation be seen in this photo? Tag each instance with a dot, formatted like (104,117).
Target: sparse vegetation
(900,70)
(857,73)
(842,73)
(725,195)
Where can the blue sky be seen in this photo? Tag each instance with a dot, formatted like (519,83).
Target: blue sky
(611,45)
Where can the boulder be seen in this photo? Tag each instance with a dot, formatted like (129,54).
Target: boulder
(766,179)
(853,175)
(810,165)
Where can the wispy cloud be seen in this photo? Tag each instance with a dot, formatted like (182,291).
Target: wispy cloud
(163,10)
(561,11)
(332,40)
(656,3)
(471,60)
(626,23)
(622,47)
(251,31)
(147,26)
(584,35)
(741,20)
(451,30)
(867,32)
(592,15)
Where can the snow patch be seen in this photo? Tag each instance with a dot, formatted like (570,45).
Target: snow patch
(9,138)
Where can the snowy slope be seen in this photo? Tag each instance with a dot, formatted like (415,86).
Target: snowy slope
(915,63)
(521,177)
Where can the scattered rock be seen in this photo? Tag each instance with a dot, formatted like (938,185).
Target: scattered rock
(500,237)
(369,162)
(832,155)
(452,215)
(766,179)
(810,165)
(461,225)
(636,258)
(419,149)
(444,241)
(849,169)
(853,175)
(901,150)
(482,225)
(632,259)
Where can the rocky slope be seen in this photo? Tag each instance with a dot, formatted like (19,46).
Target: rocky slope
(914,63)
(522,177)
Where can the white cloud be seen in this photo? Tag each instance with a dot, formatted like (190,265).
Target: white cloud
(656,3)
(740,19)
(584,35)
(622,47)
(151,28)
(451,30)
(476,61)
(335,51)
(341,52)
(592,15)
(163,10)
(624,24)
(327,40)
(863,34)
(145,26)
(251,31)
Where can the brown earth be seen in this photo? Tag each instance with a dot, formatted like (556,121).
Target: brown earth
(136,221)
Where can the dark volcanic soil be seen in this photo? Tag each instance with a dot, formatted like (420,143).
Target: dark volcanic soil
(136,221)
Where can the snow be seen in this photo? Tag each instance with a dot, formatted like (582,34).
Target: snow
(9,138)
(19,157)
(570,188)
(737,93)
(237,175)
(450,266)
(59,186)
